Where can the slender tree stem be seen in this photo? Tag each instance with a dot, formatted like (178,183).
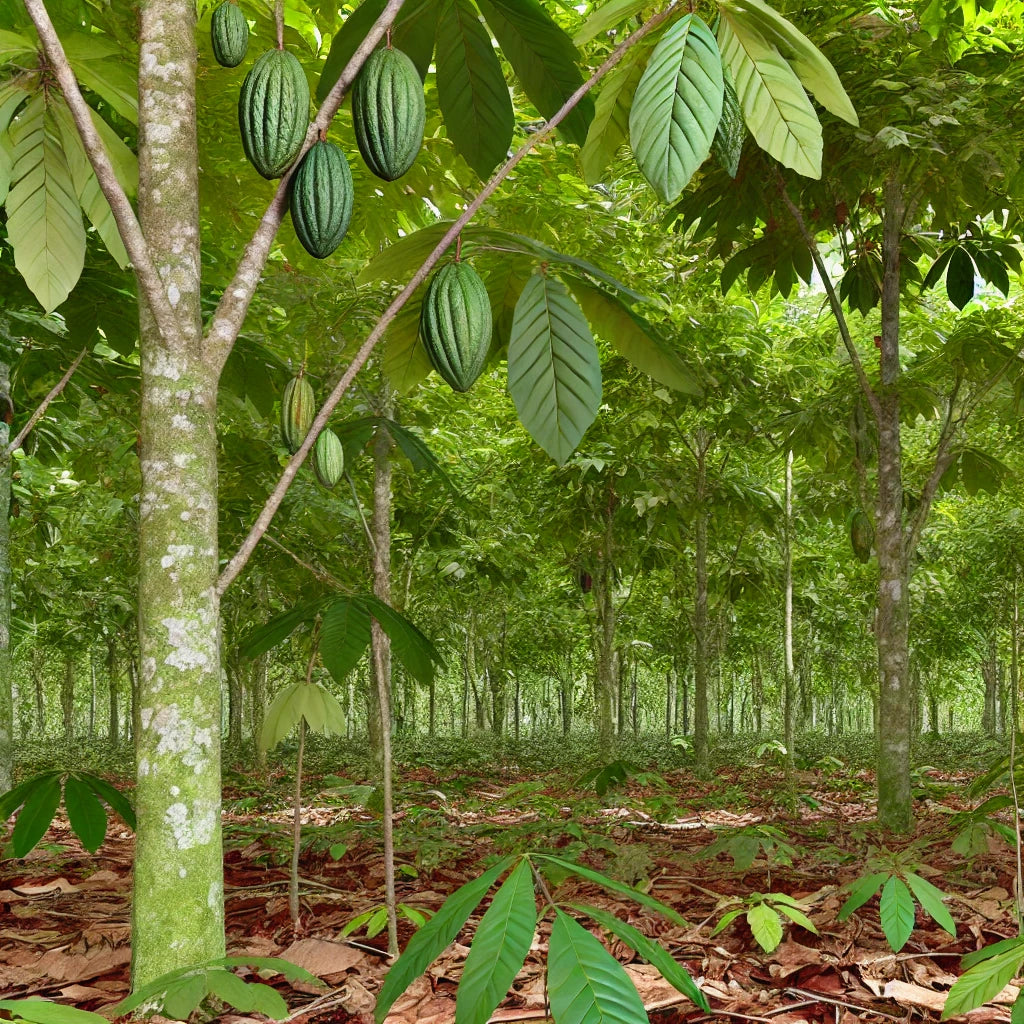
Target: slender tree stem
(42,407)
(293,878)
(273,503)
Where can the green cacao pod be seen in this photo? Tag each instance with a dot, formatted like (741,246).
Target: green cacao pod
(862,535)
(229,34)
(455,324)
(328,458)
(388,113)
(298,407)
(321,199)
(273,112)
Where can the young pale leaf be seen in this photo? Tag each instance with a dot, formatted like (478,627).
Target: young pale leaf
(430,941)
(309,706)
(811,66)
(896,911)
(40,1011)
(774,104)
(620,887)
(677,107)
(981,982)
(796,915)
(86,814)
(44,221)
(280,718)
(543,58)
(97,64)
(860,892)
(766,925)
(931,899)
(610,127)
(726,920)
(554,373)
(499,948)
(674,973)
(634,338)
(606,16)
(585,982)
(471,89)
(727,144)
(13,46)
(344,636)
(36,815)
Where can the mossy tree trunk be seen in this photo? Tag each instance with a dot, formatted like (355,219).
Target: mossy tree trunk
(6,682)
(177,904)
(701,627)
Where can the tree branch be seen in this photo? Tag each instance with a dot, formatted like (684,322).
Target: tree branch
(124,216)
(41,410)
(229,315)
(273,503)
(833,299)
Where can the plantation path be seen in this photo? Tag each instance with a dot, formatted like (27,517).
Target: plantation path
(64,915)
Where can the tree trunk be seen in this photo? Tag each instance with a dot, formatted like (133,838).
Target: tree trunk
(605,678)
(178,900)
(789,687)
(258,699)
(990,676)
(92,693)
(380,641)
(113,719)
(6,681)
(701,638)
(38,681)
(67,697)
(892,622)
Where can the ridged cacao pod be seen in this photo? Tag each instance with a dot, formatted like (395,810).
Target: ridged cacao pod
(328,458)
(388,113)
(229,34)
(298,407)
(273,112)
(862,535)
(455,324)
(321,199)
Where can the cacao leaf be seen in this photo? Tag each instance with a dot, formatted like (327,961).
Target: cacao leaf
(86,815)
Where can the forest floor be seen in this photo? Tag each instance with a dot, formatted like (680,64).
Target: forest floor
(706,848)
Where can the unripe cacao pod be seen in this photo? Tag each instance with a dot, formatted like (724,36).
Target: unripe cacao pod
(388,113)
(229,35)
(328,458)
(455,324)
(273,112)
(298,407)
(321,199)
(862,535)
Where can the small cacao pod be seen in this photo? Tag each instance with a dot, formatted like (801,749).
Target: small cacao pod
(273,112)
(229,34)
(328,458)
(321,199)
(862,535)
(388,113)
(298,407)
(455,324)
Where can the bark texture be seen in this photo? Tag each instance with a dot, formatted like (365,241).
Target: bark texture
(6,683)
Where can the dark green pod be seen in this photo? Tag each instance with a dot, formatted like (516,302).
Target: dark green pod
(229,35)
(298,407)
(328,458)
(321,199)
(273,112)
(388,113)
(862,535)
(455,324)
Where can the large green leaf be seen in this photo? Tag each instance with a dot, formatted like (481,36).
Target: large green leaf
(775,106)
(40,1011)
(765,925)
(554,372)
(14,46)
(12,95)
(280,718)
(634,339)
(86,814)
(543,58)
(606,17)
(44,222)
(984,979)
(471,89)
(931,899)
(896,912)
(344,636)
(499,948)
(432,939)
(677,107)
(262,638)
(117,801)
(36,815)
(610,126)
(98,65)
(406,363)
(655,954)
(418,453)
(415,651)
(860,892)
(810,64)
(586,984)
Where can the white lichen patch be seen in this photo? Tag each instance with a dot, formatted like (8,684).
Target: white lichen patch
(182,459)
(190,829)
(175,791)
(173,294)
(182,423)
(161,364)
(146,716)
(215,898)
(182,872)
(191,644)
(143,769)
